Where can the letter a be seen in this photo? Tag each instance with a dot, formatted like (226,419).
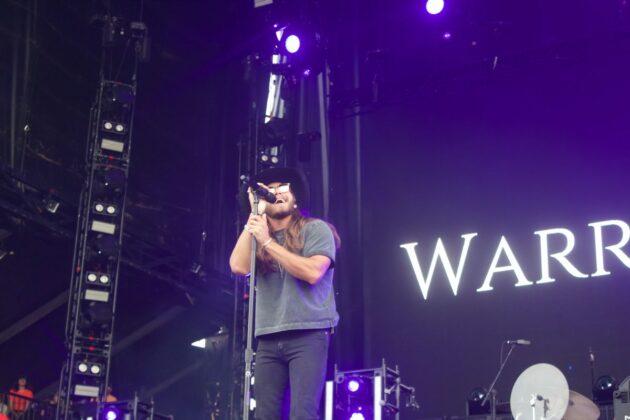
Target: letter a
(504,247)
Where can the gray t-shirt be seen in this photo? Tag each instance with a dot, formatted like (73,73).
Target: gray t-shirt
(285,303)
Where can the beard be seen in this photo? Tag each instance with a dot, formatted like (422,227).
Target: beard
(280,211)
(279,214)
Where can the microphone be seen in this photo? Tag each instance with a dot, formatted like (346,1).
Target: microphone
(519,342)
(263,194)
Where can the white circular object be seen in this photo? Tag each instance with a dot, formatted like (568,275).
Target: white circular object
(120,128)
(91,277)
(435,7)
(108,125)
(95,369)
(292,44)
(111,209)
(540,392)
(99,207)
(104,279)
(82,367)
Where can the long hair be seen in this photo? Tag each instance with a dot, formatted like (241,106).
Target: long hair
(293,240)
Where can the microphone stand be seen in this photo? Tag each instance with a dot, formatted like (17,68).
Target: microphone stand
(249,351)
(491,391)
(591,360)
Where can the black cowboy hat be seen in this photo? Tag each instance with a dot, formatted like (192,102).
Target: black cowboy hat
(295,177)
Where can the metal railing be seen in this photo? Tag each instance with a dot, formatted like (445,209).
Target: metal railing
(18,407)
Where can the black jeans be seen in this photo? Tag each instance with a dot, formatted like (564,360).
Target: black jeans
(293,361)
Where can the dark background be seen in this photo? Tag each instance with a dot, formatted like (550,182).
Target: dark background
(515,123)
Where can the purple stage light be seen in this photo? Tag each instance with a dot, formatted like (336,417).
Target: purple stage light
(435,7)
(292,44)
(353,385)
(446,35)
(357,416)
(111,415)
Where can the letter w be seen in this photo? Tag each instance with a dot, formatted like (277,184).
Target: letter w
(439,253)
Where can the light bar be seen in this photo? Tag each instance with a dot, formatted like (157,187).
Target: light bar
(96,295)
(103,227)
(86,391)
(112,145)
(328,410)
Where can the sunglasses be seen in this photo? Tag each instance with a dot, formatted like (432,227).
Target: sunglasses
(280,189)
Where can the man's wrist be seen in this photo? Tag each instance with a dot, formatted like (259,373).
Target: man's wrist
(266,243)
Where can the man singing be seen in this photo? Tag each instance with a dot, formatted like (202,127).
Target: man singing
(295,307)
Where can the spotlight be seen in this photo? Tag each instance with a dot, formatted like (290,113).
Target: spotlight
(99,208)
(603,389)
(111,209)
(292,44)
(353,385)
(104,279)
(82,367)
(474,400)
(91,277)
(114,127)
(111,413)
(435,7)
(274,160)
(95,369)
(357,416)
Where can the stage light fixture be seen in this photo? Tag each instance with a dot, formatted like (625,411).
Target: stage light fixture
(114,127)
(353,385)
(112,145)
(52,205)
(474,400)
(105,208)
(435,7)
(292,44)
(104,279)
(96,295)
(91,277)
(603,389)
(95,369)
(111,415)
(86,391)
(82,367)
(102,227)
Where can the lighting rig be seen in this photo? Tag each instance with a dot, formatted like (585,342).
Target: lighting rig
(98,241)
(367,394)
